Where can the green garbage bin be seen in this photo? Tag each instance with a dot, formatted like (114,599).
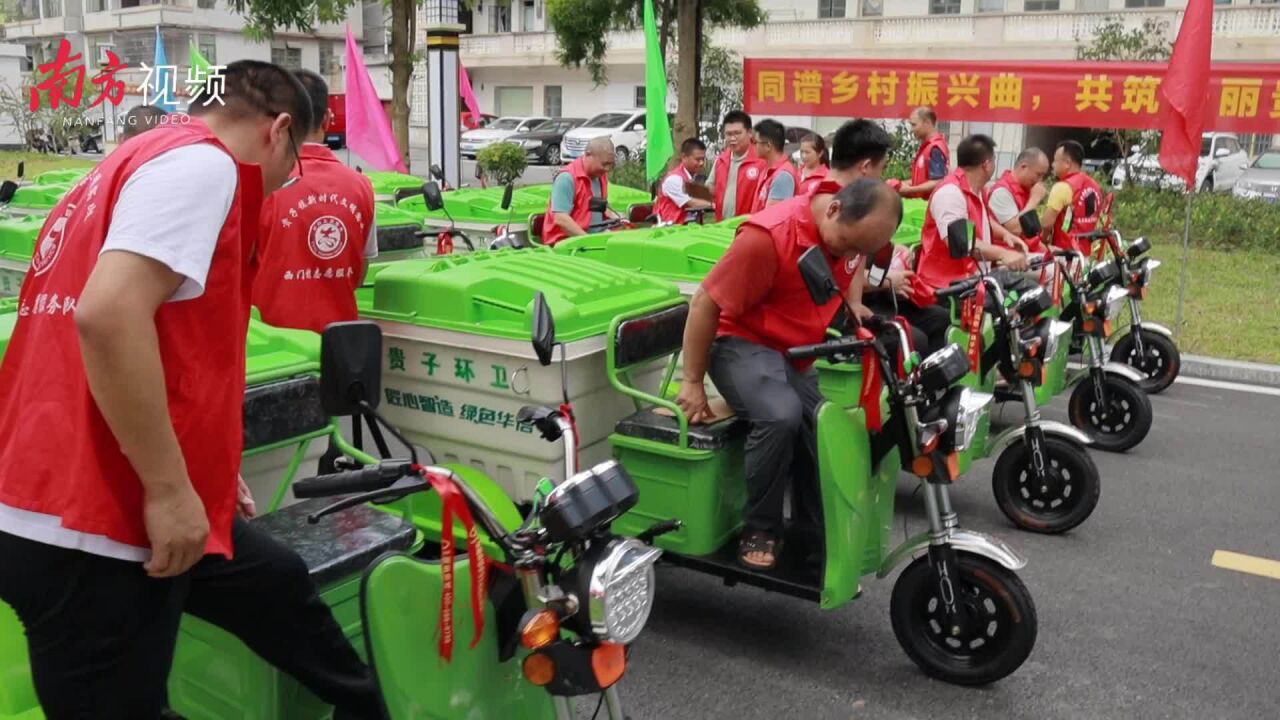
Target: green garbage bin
(396,228)
(64,175)
(385,184)
(32,199)
(17,244)
(914,211)
(459,364)
(682,254)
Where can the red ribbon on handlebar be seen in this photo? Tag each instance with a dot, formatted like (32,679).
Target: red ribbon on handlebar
(566,409)
(972,313)
(453,502)
(911,347)
(872,383)
(444,244)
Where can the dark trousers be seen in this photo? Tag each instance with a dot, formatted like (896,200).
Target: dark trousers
(101,633)
(932,320)
(781,405)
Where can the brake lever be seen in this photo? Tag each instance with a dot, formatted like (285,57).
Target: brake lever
(397,490)
(661,528)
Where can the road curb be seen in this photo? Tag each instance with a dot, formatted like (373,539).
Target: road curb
(1209,368)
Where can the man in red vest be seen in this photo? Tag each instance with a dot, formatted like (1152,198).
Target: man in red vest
(569,212)
(932,160)
(1075,201)
(738,169)
(752,307)
(780,177)
(121,402)
(674,201)
(1013,199)
(316,235)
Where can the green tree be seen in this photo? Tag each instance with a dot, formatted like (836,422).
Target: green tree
(1113,41)
(582,32)
(719,89)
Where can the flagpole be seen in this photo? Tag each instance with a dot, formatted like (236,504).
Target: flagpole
(1186,260)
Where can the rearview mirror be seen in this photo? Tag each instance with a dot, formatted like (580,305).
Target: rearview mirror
(1030,224)
(7,189)
(1221,152)
(960,239)
(639,127)
(350,367)
(22,169)
(598,204)
(878,267)
(816,272)
(544,330)
(436,172)
(431,193)
(506,196)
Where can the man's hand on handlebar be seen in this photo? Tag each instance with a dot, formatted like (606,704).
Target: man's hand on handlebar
(693,401)
(1013,260)
(900,281)
(861,312)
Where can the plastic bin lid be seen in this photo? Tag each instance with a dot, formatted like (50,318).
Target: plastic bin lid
(492,293)
(683,253)
(40,196)
(8,318)
(18,236)
(391,215)
(386,183)
(65,175)
(273,353)
(483,206)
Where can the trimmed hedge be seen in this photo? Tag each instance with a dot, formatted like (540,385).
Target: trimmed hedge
(1218,220)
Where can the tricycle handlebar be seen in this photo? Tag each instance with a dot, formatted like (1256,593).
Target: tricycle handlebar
(367,479)
(828,349)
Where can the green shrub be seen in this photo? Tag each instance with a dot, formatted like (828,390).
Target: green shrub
(502,162)
(630,174)
(1218,221)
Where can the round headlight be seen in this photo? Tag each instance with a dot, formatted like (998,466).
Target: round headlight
(622,590)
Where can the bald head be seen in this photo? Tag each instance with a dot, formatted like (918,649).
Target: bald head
(1031,167)
(861,218)
(599,158)
(924,122)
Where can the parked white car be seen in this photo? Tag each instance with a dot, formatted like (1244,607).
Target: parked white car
(1222,161)
(473,141)
(624,127)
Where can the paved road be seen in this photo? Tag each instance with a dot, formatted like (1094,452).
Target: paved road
(1134,621)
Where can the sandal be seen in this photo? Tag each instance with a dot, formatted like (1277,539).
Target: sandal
(759,541)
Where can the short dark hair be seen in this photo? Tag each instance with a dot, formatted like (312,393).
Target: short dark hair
(860,197)
(141,119)
(927,113)
(691,145)
(772,132)
(1073,149)
(859,140)
(1029,156)
(318,91)
(736,116)
(252,88)
(975,150)
(819,146)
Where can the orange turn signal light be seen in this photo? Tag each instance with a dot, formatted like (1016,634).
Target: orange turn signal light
(1090,326)
(609,662)
(540,630)
(922,466)
(953,466)
(1027,369)
(539,669)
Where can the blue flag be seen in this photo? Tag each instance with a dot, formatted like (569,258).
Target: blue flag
(164,89)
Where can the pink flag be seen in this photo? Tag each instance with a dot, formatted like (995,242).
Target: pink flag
(468,95)
(368,129)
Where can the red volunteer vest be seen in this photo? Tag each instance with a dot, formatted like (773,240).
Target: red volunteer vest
(1021,196)
(310,256)
(1082,186)
(920,166)
(784,167)
(749,175)
(808,182)
(551,232)
(57,454)
(787,316)
(665,208)
(936,268)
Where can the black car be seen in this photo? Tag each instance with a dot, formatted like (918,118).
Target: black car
(542,144)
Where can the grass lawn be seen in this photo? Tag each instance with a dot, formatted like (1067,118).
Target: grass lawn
(37,163)
(1232,307)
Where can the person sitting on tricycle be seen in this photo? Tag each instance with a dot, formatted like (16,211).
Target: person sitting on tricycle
(752,307)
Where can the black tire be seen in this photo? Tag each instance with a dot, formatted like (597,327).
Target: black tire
(992,651)
(1121,426)
(1161,361)
(1056,507)
(551,156)
(622,154)
(1207,185)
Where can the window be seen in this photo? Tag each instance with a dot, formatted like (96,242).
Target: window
(1093,5)
(830,8)
(872,8)
(607,120)
(287,57)
(1221,2)
(500,17)
(553,100)
(1046,5)
(206,4)
(526,19)
(207,45)
(52,8)
(640,96)
(328,59)
(1143,3)
(93,6)
(990,6)
(513,101)
(944,7)
(135,47)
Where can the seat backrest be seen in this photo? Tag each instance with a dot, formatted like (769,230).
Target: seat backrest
(650,336)
(640,213)
(535,227)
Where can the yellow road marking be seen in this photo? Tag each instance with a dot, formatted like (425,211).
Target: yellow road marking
(1246,564)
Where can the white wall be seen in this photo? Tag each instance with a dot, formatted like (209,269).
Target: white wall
(579,97)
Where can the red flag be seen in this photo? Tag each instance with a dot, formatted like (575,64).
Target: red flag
(1185,89)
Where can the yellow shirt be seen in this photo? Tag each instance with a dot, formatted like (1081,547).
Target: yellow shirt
(1060,196)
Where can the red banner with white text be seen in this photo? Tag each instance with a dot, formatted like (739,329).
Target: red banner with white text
(1243,97)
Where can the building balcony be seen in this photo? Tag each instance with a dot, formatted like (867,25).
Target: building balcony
(1240,33)
(46,27)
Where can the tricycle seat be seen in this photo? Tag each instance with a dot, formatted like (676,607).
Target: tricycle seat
(340,545)
(660,426)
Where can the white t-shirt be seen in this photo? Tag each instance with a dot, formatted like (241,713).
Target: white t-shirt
(948,204)
(172,210)
(673,187)
(1003,206)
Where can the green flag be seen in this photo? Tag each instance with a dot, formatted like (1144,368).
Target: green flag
(657,126)
(198,61)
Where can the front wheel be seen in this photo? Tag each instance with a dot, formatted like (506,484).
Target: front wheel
(552,155)
(1056,503)
(1160,360)
(622,155)
(989,638)
(1122,423)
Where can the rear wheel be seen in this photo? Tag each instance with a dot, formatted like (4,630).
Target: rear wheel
(992,634)
(1064,498)
(1208,185)
(1122,423)
(622,154)
(552,155)
(1160,360)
